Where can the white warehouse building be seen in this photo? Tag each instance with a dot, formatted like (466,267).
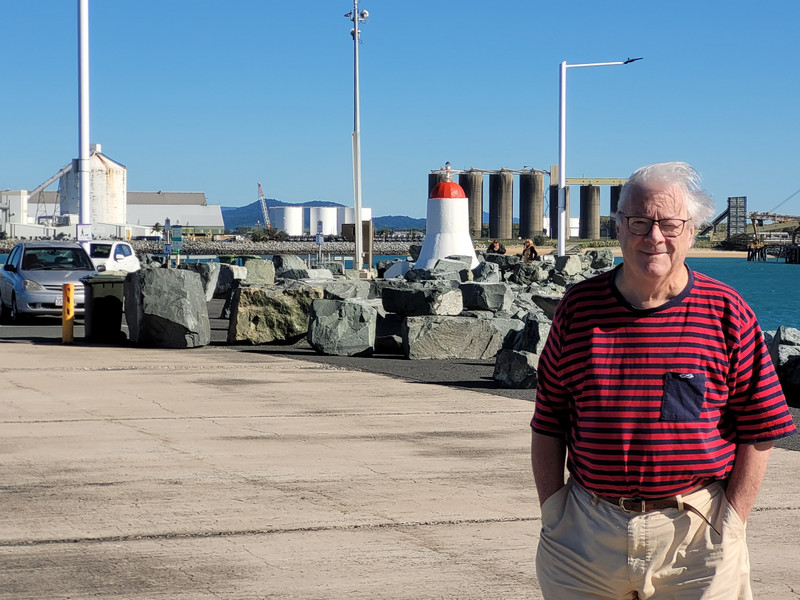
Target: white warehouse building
(114,211)
(118,213)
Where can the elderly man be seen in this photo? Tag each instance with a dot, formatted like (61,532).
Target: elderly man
(657,388)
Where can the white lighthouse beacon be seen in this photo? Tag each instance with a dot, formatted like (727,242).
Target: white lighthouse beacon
(447,226)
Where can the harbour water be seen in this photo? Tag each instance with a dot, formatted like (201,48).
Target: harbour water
(770,288)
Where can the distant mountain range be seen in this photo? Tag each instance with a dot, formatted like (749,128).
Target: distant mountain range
(250,216)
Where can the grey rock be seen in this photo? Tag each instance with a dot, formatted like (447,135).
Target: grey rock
(504,261)
(508,329)
(342,327)
(487,296)
(466,261)
(166,308)
(352,274)
(444,268)
(601,259)
(547,301)
(784,349)
(376,286)
(264,315)
(334,266)
(569,265)
(319,274)
(478,314)
(527,273)
(259,271)
(487,271)
(422,300)
(229,276)
(209,275)
(516,369)
(344,289)
(445,337)
(295,274)
(285,262)
(534,334)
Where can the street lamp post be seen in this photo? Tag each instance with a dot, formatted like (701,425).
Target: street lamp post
(84,231)
(357,17)
(562,146)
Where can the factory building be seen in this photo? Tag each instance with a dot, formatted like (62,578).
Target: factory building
(115,212)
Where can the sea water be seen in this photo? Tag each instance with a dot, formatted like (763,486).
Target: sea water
(770,288)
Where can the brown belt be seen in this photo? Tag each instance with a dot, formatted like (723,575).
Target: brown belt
(643,505)
(639,505)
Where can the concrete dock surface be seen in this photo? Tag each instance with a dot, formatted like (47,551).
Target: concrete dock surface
(133,473)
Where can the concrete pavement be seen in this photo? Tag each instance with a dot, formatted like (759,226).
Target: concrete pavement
(133,473)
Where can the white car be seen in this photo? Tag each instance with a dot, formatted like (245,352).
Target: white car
(113,255)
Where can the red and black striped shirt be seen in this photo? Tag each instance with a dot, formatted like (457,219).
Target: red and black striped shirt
(652,401)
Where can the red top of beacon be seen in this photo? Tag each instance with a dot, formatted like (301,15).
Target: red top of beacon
(448,189)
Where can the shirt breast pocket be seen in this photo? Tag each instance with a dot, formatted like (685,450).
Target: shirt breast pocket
(683,398)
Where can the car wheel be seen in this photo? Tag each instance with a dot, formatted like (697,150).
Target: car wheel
(5,312)
(16,316)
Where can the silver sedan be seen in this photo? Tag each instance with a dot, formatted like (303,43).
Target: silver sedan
(32,279)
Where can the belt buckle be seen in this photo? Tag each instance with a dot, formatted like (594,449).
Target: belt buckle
(622,501)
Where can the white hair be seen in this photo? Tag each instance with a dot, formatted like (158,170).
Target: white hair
(699,204)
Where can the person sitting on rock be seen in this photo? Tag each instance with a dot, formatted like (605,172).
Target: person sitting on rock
(496,248)
(529,253)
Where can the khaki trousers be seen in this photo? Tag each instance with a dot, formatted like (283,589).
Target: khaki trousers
(592,549)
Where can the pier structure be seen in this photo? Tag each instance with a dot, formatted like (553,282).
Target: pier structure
(532,221)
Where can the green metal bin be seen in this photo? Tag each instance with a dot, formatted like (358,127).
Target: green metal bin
(102,319)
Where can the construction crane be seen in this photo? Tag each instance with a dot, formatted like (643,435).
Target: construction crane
(264,212)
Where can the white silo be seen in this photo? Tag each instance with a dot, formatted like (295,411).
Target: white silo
(108,189)
(293,220)
(288,219)
(328,215)
(344,215)
(277,217)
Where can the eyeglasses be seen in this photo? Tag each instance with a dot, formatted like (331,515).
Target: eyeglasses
(668,227)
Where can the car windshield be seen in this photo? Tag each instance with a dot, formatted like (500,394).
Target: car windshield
(56,258)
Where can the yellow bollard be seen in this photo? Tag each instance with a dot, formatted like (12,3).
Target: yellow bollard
(68,314)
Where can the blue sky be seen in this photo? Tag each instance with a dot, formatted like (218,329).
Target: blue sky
(217,96)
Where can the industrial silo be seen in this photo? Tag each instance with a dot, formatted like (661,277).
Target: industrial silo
(345,215)
(288,219)
(293,220)
(531,203)
(501,190)
(472,184)
(108,189)
(327,216)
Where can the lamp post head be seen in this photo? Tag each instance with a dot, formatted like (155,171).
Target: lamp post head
(630,60)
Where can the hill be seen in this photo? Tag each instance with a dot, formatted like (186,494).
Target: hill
(250,216)
(397,223)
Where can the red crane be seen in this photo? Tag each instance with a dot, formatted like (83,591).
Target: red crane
(263,202)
